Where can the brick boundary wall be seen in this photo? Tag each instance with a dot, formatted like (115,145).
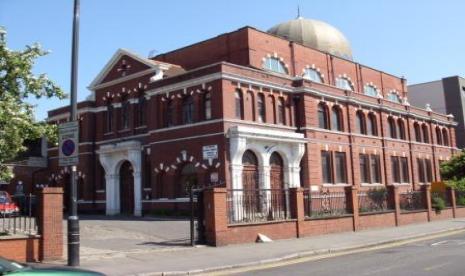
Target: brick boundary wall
(24,249)
(219,233)
(48,245)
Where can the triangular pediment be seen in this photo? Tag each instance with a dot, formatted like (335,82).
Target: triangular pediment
(122,64)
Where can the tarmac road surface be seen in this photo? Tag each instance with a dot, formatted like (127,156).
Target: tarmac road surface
(443,256)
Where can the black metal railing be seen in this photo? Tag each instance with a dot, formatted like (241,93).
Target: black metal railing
(445,196)
(325,204)
(374,200)
(460,198)
(412,201)
(254,206)
(18,215)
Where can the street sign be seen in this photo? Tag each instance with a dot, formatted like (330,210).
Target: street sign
(68,138)
(210,152)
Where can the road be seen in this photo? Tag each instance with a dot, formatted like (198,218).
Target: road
(443,256)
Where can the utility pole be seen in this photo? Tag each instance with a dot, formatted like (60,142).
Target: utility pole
(73,219)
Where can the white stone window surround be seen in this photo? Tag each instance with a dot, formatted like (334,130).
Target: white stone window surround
(276,57)
(316,69)
(112,157)
(349,81)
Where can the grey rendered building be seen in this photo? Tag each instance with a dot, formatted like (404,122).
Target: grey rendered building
(445,96)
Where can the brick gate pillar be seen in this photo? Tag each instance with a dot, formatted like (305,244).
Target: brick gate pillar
(451,192)
(296,206)
(427,190)
(352,202)
(215,216)
(395,201)
(50,223)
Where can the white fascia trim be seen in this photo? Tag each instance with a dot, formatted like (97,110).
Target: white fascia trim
(365,104)
(121,139)
(213,77)
(187,138)
(237,121)
(185,126)
(80,111)
(266,134)
(123,79)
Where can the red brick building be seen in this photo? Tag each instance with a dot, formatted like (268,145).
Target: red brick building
(248,109)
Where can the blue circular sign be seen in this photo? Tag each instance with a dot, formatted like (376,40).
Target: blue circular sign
(68,147)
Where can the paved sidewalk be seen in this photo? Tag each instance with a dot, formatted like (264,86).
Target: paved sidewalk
(204,259)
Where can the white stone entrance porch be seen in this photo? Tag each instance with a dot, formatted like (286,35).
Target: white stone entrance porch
(112,157)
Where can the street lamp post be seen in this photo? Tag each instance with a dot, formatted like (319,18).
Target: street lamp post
(73,219)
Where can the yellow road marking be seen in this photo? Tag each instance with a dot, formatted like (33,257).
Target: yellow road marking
(328,255)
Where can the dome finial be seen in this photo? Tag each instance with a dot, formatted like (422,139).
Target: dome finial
(298,12)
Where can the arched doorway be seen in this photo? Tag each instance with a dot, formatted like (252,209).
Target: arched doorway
(249,171)
(126,188)
(276,171)
(188,179)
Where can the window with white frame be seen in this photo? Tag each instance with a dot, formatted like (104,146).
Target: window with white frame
(275,65)
(370,90)
(344,83)
(313,75)
(393,97)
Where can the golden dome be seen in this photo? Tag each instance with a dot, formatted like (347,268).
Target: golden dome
(315,34)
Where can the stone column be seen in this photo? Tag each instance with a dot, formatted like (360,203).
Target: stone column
(137,193)
(294,176)
(236,175)
(110,190)
(265,183)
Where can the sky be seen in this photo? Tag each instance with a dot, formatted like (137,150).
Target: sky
(422,40)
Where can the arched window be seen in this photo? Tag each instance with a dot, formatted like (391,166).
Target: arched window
(438,136)
(416,127)
(125,113)
(141,111)
(261,108)
(169,115)
(445,137)
(251,108)
(360,122)
(109,119)
(249,158)
(370,90)
(344,83)
(188,110)
(336,119)
(313,75)
(207,105)
(238,104)
(392,128)
(188,180)
(323,116)
(425,134)
(372,128)
(393,97)
(401,129)
(275,65)
(281,112)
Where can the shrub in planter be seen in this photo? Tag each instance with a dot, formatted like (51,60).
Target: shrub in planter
(438,204)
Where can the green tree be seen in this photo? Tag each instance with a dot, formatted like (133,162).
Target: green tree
(453,171)
(17,83)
